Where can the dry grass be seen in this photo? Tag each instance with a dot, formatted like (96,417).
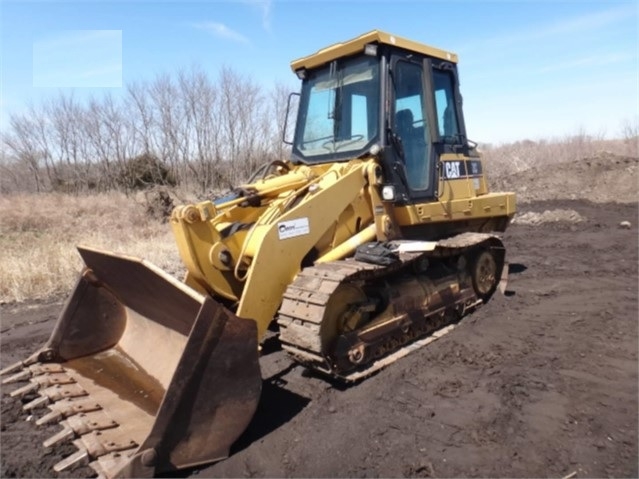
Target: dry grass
(575,167)
(504,160)
(38,235)
(39,232)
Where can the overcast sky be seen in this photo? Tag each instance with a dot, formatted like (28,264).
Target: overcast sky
(529,69)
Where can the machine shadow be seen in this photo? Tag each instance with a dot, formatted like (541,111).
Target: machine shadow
(277,406)
(516,268)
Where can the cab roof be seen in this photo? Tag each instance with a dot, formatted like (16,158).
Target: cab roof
(350,47)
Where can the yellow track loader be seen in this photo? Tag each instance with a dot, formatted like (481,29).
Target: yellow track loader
(377,234)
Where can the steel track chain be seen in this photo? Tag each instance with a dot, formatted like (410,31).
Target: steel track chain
(305,300)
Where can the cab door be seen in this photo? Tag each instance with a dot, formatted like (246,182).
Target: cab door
(412,120)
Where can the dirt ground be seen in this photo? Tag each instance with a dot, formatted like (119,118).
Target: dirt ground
(541,382)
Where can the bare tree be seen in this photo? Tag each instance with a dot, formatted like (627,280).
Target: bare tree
(167,119)
(201,108)
(110,137)
(281,117)
(246,123)
(140,113)
(27,141)
(209,133)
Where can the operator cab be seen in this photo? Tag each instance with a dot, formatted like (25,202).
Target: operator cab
(386,96)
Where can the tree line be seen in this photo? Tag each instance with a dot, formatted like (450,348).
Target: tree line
(186,128)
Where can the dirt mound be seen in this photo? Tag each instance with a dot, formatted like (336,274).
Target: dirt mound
(606,177)
(158,202)
(548,216)
(540,382)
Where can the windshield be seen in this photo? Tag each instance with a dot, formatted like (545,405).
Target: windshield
(339,110)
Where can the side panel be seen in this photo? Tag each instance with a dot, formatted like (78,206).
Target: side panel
(462,197)
(278,257)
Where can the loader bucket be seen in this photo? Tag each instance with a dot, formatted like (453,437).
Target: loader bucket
(144,374)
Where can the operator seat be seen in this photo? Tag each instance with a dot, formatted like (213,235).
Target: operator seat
(404,124)
(413,156)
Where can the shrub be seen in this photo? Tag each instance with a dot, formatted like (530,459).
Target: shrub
(145,171)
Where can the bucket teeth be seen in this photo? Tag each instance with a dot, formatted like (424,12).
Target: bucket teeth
(24,390)
(55,393)
(12,369)
(83,423)
(46,368)
(79,424)
(76,406)
(99,445)
(79,458)
(64,391)
(50,417)
(53,379)
(104,456)
(66,434)
(33,359)
(23,375)
(68,407)
(29,371)
(36,403)
(32,364)
(43,381)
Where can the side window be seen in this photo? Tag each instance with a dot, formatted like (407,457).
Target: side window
(410,124)
(359,115)
(445,104)
(318,123)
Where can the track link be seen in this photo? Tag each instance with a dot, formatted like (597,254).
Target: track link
(359,353)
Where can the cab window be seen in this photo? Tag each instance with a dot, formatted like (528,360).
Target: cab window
(447,122)
(410,124)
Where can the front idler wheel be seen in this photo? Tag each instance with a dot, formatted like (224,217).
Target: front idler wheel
(483,272)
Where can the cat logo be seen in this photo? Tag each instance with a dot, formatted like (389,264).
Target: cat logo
(451,169)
